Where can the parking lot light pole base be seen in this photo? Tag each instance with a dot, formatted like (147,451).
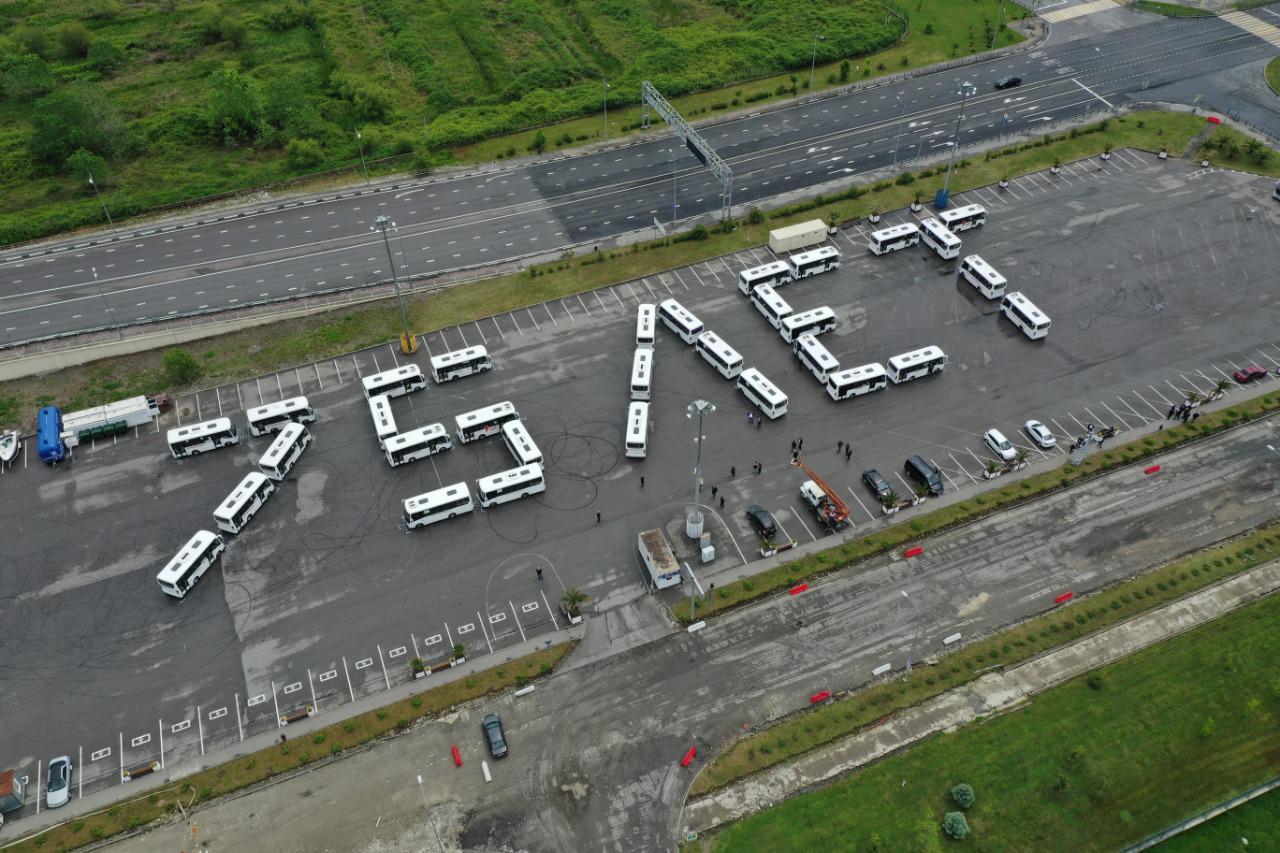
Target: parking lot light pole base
(693,525)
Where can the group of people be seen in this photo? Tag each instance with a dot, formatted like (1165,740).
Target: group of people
(1183,412)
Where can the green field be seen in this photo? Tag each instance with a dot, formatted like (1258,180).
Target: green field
(1257,820)
(172,100)
(1101,761)
(1273,74)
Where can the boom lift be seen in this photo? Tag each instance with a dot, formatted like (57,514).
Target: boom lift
(829,508)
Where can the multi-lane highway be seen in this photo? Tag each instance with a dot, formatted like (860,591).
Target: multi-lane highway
(534,208)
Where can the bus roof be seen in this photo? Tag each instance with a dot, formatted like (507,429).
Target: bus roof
(175,567)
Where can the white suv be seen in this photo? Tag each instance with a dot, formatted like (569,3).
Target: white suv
(1000,445)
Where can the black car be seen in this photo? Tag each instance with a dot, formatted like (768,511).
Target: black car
(876,483)
(761,521)
(492,726)
(924,473)
(1009,82)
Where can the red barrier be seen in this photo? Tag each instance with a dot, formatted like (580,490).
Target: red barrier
(1152,470)
(1214,120)
(797,589)
(913,552)
(818,697)
(457,756)
(688,756)
(1065,597)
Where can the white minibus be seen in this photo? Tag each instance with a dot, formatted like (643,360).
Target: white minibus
(244,502)
(181,573)
(485,422)
(772,306)
(395,383)
(963,218)
(273,416)
(814,261)
(756,387)
(647,326)
(1023,313)
(641,373)
(844,384)
(202,437)
(680,320)
(637,430)
(438,504)
(417,444)
(384,423)
(815,321)
(459,363)
(510,485)
(893,238)
(520,443)
(285,451)
(917,363)
(815,356)
(983,276)
(718,354)
(936,236)
(774,274)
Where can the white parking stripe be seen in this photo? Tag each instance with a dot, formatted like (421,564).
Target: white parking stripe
(1144,399)
(1117,415)
(854,495)
(802,524)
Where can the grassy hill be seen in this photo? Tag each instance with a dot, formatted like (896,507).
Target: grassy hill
(165,100)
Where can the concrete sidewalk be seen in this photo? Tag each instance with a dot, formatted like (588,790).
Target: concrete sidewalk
(990,694)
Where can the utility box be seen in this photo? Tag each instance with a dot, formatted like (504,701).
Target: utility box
(798,236)
(706,549)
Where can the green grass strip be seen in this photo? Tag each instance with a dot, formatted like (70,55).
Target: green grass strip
(1257,820)
(1172,10)
(1098,762)
(812,728)
(1273,73)
(280,758)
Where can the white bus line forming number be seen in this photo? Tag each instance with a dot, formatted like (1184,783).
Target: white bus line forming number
(364,664)
(529,608)
(218,714)
(467,628)
(325,676)
(180,727)
(100,754)
(140,740)
(256,700)
(293,688)
(395,653)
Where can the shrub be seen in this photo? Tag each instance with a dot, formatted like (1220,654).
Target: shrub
(180,367)
(955,825)
(74,40)
(302,154)
(962,794)
(905,179)
(105,57)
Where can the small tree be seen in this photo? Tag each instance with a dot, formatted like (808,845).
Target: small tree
(955,825)
(889,498)
(74,40)
(180,367)
(573,598)
(963,795)
(844,71)
(539,143)
(459,650)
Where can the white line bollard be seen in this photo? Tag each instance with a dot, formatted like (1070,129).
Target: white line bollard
(524,691)
(696,626)
(882,669)
(954,638)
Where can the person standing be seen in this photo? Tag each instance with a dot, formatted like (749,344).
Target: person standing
(642,481)
(597,516)
(714,489)
(750,418)
(839,446)
(733,472)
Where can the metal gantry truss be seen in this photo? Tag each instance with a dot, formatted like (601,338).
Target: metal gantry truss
(651,97)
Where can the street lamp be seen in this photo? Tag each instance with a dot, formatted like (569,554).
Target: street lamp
(94,184)
(919,622)
(363,164)
(430,817)
(967,91)
(901,127)
(673,187)
(693,528)
(606,110)
(813,60)
(408,343)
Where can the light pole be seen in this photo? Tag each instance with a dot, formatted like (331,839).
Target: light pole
(673,187)
(693,529)
(430,818)
(967,91)
(408,343)
(363,164)
(606,110)
(94,184)
(911,652)
(813,60)
(902,115)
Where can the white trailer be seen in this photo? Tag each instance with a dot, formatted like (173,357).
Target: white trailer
(658,559)
(792,237)
(108,420)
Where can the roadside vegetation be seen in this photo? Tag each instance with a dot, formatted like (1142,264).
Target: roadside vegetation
(1094,764)
(815,727)
(1172,10)
(298,752)
(287,343)
(1273,75)
(1258,821)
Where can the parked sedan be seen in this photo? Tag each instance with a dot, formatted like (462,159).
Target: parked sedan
(1000,445)
(58,791)
(761,521)
(1245,375)
(492,726)
(876,482)
(1040,434)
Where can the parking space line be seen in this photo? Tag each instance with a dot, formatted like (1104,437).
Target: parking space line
(1145,420)
(802,524)
(1148,403)
(911,490)
(512,315)
(279,386)
(315,703)
(1225,375)
(782,529)
(1156,391)
(1269,358)
(198,416)
(374,355)
(982,465)
(854,495)
(683,283)
(395,362)
(1097,421)
(1192,384)
(383,661)
(337,371)
(614,292)
(695,275)
(462,337)
(1117,415)
(316,366)
(555,626)
(499,328)
(566,310)
(217,395)
(953,483)
(529,311)
(351,691)
(1079,422)
(1182,394)
(584,305)
(631,290)
(517,618)
(485,631)
(298,375)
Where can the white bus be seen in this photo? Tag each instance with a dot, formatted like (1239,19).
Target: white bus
(718,354)
(855,381)
(273,416)
(814,261)
(449,502)
(395,383)
(936,236)
(384,423)
(646,326)
(189,565)
(770,304)
(244,502)
(459,363)
(917,363)
(815,356)
(1023,313)
(983,276)
(417,444)
(202,437)
(510,485)
(637,430)
(774,274)
(285,451)
(756,387)
(485,422)
(963,218)
(641,373)
(893,238)
(520,443)
(680,320)
(815,321)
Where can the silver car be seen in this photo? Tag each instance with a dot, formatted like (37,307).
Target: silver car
(1040,434)
(1000,445)
(58,790)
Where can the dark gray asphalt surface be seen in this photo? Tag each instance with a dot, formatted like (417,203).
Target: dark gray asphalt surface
(595,197)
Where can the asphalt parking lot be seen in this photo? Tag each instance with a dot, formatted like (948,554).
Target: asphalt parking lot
(1156,278)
